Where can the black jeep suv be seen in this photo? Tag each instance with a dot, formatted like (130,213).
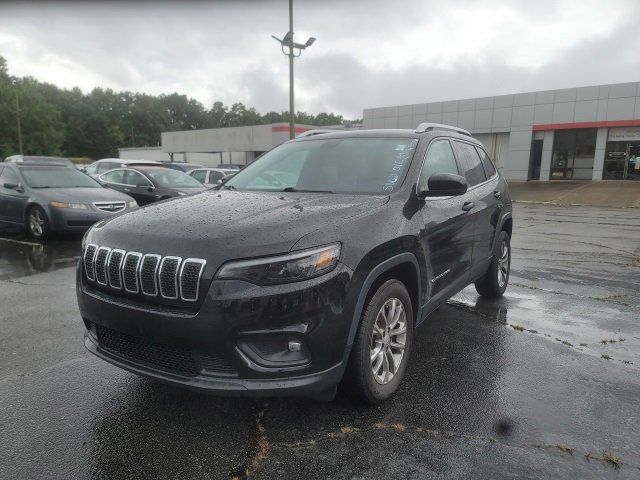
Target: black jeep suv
(312,266)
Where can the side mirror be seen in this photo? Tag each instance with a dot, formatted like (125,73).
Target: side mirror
(11,186)
(445,185)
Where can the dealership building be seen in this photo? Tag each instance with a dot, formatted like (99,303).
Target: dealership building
(584,133)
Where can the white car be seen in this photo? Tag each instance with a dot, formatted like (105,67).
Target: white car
(99,167)
(210,177)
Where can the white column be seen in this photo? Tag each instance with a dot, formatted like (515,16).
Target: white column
(598,160)
(545,162)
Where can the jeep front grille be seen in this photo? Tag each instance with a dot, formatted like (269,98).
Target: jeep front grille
(152,275)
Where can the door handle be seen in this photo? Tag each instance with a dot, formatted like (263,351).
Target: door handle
(466,206)
(497,194)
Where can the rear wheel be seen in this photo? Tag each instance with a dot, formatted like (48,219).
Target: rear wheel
(382,346)
(495,281)
(38,223)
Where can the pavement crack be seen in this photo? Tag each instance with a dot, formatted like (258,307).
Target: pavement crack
(606,458)
(261,452)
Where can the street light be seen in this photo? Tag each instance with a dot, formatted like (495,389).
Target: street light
(287,41)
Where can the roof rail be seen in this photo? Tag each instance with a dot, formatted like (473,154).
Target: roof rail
(317,131)
(426,126)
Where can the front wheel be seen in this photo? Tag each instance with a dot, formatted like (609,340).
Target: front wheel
(38,223)
(495,281)
(383,343)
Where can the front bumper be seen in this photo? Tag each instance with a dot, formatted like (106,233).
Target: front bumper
(76,220)
(234,343)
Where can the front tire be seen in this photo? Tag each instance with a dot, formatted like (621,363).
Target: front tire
(381,350)
(494,283)
(38,223)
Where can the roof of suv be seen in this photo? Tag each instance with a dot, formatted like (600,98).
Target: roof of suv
(422,129)
(129,161)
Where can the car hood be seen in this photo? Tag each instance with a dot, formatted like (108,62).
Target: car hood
(223,225)
(82,195)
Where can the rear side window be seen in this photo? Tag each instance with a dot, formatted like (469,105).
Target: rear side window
(200,175)
(489,169)
(117,176)
(470,163)
(439,159)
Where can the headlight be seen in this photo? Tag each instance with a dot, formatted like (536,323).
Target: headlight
(284,268)
(80,206)
(132,204)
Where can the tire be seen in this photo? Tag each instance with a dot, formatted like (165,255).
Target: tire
(360,379)
(494,283)
(37,223)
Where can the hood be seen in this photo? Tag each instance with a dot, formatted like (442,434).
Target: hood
(82,195)
(224,225)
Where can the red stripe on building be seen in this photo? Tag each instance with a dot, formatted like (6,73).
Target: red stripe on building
(285,128)
(602,124)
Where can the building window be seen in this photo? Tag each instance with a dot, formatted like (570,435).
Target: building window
(622,155)
(573,154)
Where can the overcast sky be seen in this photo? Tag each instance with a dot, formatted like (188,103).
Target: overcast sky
(367,54)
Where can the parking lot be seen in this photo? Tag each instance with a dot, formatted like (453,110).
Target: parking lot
(544,383)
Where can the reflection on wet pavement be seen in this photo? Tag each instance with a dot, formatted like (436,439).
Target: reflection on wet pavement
(21,256)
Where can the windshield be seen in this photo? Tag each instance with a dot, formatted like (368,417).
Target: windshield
(57,177)
(168,178)
(345,165)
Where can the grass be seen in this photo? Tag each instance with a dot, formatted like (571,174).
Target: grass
(606,357)
(611,459)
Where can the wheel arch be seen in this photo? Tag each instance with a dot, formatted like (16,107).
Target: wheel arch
(403,267)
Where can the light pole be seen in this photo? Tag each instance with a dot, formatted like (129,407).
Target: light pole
(288,42)
(18,119)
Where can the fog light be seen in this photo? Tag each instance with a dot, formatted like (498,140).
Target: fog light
(294,346)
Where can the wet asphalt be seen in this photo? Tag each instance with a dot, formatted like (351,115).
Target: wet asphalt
(544,383)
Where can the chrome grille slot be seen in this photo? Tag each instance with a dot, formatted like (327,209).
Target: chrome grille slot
(149,274)
(168,276)
(130,271)
(190,274)
(100,265)
(114,268)
(89,254)
(110,206)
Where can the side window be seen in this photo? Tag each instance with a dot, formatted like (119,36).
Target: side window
(1,167)
(135,179)
(489,169)
(117,176)
(470,163)
(215,177)
(91,169)
(9,176)
(439,159)
(104,167)
(200,175)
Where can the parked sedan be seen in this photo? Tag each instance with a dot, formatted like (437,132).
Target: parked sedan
(48,197)
(103,165)
(147,184)
(211,177)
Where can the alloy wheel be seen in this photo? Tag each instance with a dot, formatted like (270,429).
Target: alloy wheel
(36,222)
(388,340)
(503,264)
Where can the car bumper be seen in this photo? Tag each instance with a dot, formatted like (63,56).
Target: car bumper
(73,220)
(236,342)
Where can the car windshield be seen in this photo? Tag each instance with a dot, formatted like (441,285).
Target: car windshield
(168,178)
(342,165)
(57,177)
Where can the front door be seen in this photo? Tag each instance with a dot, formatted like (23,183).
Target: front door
(12,200)
(447,236)
(139,187)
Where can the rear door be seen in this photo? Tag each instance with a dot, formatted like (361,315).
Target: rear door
(481,202)
(447,236)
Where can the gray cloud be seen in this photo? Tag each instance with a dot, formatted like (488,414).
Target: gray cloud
(368,54)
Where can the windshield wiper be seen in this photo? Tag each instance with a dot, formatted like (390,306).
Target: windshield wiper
(293,189)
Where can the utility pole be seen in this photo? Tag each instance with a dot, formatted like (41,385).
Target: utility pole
(287,42)
(18,123)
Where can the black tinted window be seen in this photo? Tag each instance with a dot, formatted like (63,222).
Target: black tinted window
(470,163)
(439,159)
(489,169)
